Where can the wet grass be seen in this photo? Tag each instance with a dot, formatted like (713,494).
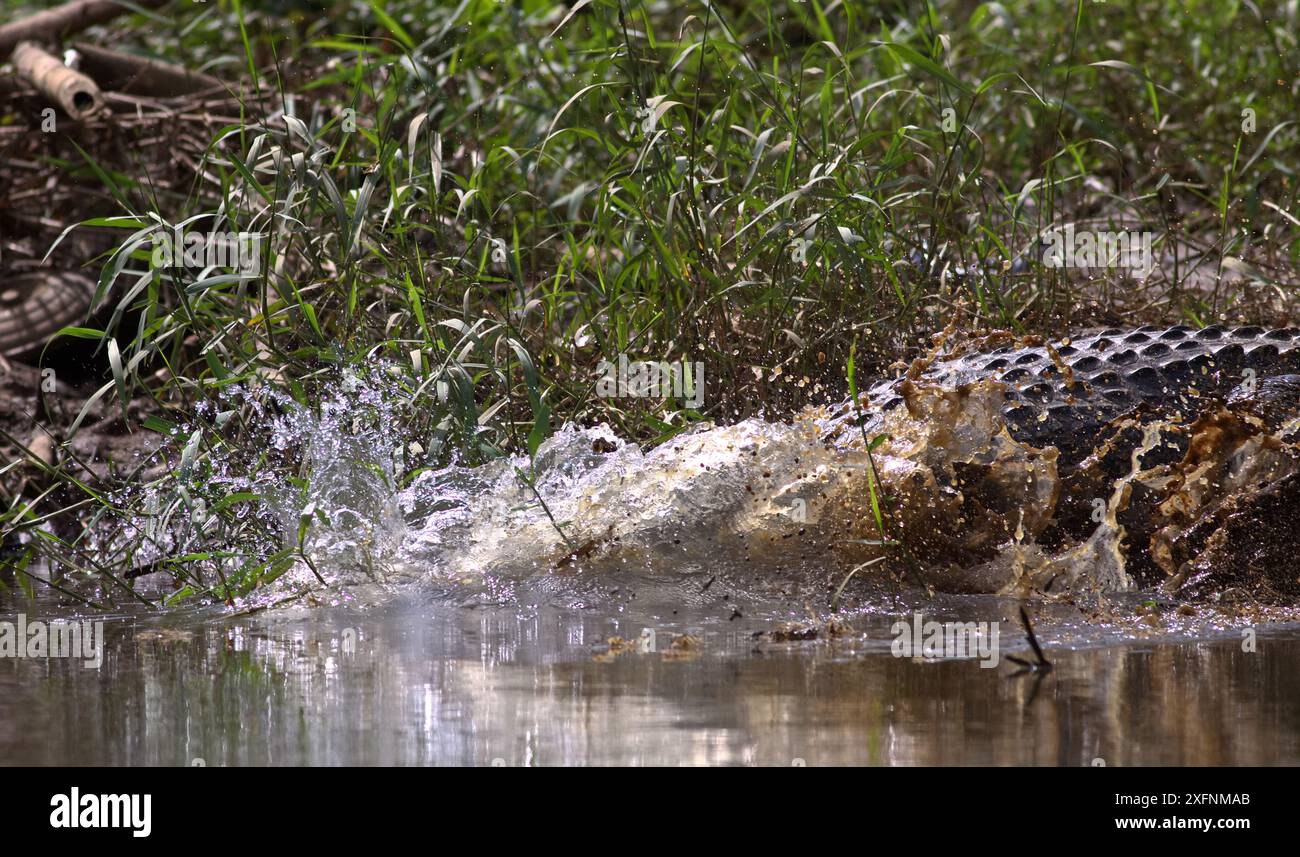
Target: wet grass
(492,198)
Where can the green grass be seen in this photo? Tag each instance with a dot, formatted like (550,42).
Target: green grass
(522,190)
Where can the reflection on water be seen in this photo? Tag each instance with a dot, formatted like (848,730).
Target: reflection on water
(435,684)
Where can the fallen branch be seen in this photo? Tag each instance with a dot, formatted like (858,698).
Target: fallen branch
(71,90)
(71,17)
(133,75)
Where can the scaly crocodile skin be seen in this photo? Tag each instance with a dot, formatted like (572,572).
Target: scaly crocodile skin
(1170,371)
(36,304)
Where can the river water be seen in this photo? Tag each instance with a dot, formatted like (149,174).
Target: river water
(430,682)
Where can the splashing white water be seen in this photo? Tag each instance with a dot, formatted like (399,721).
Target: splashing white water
(963,504)
(755,495)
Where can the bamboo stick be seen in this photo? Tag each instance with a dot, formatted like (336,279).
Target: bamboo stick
(71,90)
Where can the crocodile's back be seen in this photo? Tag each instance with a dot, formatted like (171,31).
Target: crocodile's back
(1064,398)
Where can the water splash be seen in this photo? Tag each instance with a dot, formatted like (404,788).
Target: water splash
(344,504)
(966,507)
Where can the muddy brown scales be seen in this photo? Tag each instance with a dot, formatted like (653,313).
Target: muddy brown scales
(1188,436)
(1064,394)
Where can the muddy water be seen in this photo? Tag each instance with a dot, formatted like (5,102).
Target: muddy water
(432,682)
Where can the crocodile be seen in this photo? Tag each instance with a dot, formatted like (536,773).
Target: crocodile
(1063,394)
(36,304)
(1173,452)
